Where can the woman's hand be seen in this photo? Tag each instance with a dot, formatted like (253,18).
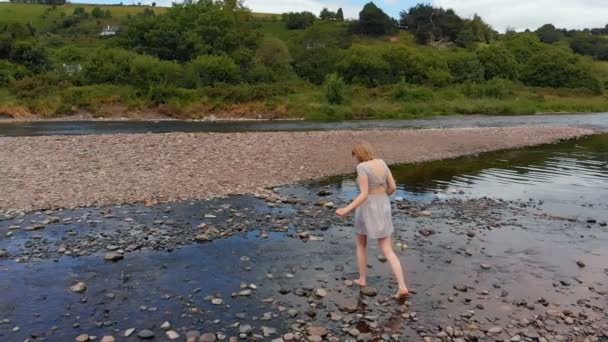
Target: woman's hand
(342,212)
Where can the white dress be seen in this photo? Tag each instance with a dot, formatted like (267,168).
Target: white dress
(374,218)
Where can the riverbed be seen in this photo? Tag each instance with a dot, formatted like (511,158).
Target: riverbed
(507,245)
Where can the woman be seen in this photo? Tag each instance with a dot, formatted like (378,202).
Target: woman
(373,216)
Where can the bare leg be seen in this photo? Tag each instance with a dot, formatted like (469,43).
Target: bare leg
(362,259)
(387,248)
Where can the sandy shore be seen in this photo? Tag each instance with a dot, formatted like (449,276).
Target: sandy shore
(72,171)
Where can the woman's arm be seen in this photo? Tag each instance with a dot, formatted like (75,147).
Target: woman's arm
(392,185)
(364,193)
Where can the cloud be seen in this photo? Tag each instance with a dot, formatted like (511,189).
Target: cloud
(531,14)
(314,6)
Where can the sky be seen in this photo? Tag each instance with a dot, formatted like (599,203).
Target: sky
(501,14)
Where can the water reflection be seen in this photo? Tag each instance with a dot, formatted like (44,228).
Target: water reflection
(570,177)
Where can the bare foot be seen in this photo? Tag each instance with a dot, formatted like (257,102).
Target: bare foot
(362,283)
(402,293)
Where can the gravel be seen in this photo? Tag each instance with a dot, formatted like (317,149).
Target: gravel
(73,171)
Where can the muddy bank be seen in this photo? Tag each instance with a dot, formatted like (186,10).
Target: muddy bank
(72,171)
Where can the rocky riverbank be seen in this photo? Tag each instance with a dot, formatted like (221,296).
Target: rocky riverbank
(41,173)
(279,268)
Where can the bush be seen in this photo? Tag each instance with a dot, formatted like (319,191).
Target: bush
(30,55)
(465,67)
(497,62)
(496,88)
(274,54)
(408,93)
(334,89)
(404,63)
(261,74)
(438,77)
(209,70)
(147,71)
(363,65)
(108,66)
(10,72)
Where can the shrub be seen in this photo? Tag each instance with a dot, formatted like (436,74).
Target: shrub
(497,62)
(30,55)
(108,66)
(465,67)
(10,72)
(438,77)
(334,89)
(363,65)
(404,63)
(495,88)
(273,53)
(408,93)
(209,70)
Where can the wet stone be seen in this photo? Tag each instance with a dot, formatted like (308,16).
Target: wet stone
(113,256)
(320,293)
(79,287)
(108,339)
(146,334)
(3,253)
(317,330)
(460,287)
(82,338)
(369,291)
(172,335)
(207,337)
(580,263)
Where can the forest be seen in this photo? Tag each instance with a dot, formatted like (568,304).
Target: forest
(218,57)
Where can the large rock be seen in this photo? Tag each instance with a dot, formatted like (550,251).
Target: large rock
(369,291)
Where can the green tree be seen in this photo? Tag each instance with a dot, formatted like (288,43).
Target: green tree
(483,32)
(192,29)
(374,22)
(497,62)
(466,38)
(404,64)
(97,13)
(327,15)
(30,55)
(548,34)
(362,64)
(210,70)
(339,15)
(465,67)
(431,25)
(273,53)
(298,20)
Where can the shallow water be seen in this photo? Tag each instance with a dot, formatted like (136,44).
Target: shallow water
(570,177)
(530,253)
(597,121)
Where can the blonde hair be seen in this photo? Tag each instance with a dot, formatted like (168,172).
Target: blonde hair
(363,151)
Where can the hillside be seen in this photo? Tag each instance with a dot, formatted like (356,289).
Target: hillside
(206,59)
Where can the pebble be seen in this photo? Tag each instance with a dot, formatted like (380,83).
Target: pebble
(317,330)
(495,330)
(82,338)
(113,256)
(486,266)
(381,258)
(129,332)
(172,335)
(460,287)
(79,287)
(207,337)
(108,339)
(165,326)
(3,253)
(217,301)
(580,263)
(320,293)
(245,293)
(369,291)
(145,334)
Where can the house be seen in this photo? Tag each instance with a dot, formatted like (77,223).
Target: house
(109,31)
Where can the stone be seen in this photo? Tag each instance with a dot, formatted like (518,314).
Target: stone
(320,293)
(145,334)
(460,287)
(495,330)
(268,331)
(245,329)
(108,339)
(113,256)
(129,332)
(317,330)
(82,338)
(426,232)
(245,293)
(172,335)
(580,263)
(79,287)
(202,238)
(485,266)
(166,326)
(3,253)
(369,291)
(516,338)
(381,258)
(217,301)
(208,337)
(288,337)
(192,335)
(354,332)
